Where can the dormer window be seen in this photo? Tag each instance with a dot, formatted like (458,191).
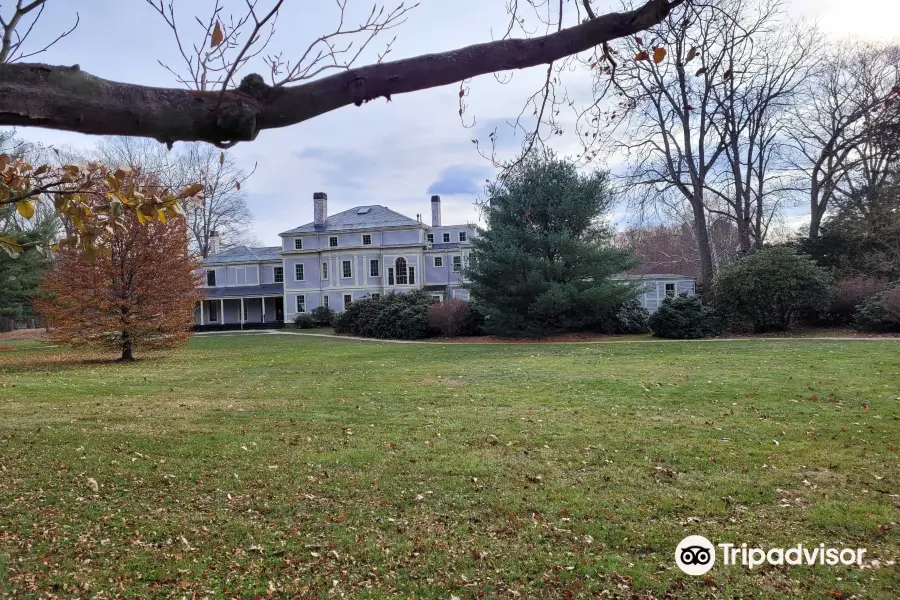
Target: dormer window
(429,237)
(298,244)
(462,236)
(211,279)
(367,239)
(332,241)
(446,238)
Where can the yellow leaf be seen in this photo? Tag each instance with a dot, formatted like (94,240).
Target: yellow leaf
(161,215)
(217,36)
(11,246)
(191,190)
(659,54)
(25,208)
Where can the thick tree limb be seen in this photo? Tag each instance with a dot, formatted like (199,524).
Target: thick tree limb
(69,99)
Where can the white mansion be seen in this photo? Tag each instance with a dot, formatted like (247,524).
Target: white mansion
(333,261)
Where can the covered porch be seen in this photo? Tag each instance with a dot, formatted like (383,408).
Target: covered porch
(251,307)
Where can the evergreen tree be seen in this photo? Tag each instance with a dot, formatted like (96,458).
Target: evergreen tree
(543,264)
(20,277)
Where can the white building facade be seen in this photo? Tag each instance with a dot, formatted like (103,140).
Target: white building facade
(333,261)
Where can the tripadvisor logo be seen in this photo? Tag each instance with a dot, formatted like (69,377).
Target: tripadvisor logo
(696,555)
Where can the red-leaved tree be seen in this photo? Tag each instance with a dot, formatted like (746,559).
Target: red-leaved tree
(141,291)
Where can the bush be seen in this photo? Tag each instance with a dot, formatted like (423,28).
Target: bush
(393,317)
(881,312)
(771,289)
(455,317)
(852,291)
(631,317)
(322,316)
(684,318)
(304,321)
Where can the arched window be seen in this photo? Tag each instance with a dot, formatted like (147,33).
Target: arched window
(402,274)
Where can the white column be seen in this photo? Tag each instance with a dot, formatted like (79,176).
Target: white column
(263,301)
(222,311)
(242,312)
(201,313)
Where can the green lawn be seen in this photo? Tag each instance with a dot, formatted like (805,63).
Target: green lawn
(280,465)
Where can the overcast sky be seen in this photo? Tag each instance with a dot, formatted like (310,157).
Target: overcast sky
(395,154)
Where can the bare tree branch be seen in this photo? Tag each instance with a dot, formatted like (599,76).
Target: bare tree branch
(66,98)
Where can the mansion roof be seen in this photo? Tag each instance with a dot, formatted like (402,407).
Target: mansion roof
(358,217)
(244,254)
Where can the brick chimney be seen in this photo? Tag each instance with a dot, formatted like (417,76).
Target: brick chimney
(215,243)
(320,208)
(435,211)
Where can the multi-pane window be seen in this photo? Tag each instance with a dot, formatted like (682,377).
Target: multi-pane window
(446,238)
(301,303)
(325,300)
(374,268)
(670,289)
(279,274)
(376,296)
(324,270)
(346,269)
(390,275)
(347,300)
(213,312)
(298,244)
(366,239)
(298,272)
(332,242)
(457,264)
(412,276)
(211,278)
(438,261)
(429,237)
(462,236)
(402,273)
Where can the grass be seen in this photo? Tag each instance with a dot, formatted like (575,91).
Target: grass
(281,465)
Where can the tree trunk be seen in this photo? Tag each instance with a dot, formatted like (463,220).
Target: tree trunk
(815,215)
(704,248)
(127,352)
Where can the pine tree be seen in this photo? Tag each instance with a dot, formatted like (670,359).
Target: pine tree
(544,262)
(20,277)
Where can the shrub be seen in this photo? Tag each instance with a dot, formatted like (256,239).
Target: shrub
(630,317)
(449,317)
(771,289)
(851,292)
(323,316)
(455,317)
(395,316)
(881,312)
(684,317)
(304,321)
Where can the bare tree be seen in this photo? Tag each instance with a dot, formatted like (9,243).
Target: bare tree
(666,115)
(754,105)
(222,206)
(323,78)
(700,114)
(849,101)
